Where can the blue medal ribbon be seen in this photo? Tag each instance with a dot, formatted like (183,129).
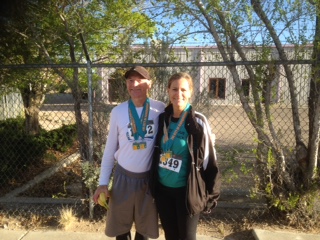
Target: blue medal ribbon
(168,141)
(139,124)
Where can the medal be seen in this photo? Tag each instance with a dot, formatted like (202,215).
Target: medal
(168,154)
(139,145)
(143,145)
(135,146)
(139,125)
(163,158)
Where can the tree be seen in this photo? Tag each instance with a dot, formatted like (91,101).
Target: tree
(53,30)
(233,25)
(314,102)
(17,48)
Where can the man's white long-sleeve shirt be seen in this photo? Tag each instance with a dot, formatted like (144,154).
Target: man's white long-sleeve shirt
(119,145)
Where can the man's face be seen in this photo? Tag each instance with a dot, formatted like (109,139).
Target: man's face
(137,86)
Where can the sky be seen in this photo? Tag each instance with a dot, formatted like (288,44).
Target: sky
(303,27)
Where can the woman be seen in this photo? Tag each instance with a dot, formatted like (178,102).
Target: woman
(184,152)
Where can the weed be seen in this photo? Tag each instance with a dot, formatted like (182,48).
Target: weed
(67,217)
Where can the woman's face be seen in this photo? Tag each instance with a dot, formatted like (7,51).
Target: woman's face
(179,93)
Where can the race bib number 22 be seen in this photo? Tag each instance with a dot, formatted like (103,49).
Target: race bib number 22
(149,131)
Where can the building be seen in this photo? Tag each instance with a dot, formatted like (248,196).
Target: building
(214,80)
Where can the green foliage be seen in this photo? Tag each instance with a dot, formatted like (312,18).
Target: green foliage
(117,83)
(90,175)
(59,139)
(284,201)
(62,88)
(300,207)
(61,194)
(229,173)
(271,160)
(19,151)
(235,168)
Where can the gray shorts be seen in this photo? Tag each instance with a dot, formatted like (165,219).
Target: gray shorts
(131,202)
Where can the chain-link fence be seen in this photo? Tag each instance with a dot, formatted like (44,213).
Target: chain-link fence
(43,171)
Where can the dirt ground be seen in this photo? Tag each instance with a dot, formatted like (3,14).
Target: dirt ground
(208,226)
(214,228)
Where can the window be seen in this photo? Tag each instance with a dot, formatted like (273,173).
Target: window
(217,88)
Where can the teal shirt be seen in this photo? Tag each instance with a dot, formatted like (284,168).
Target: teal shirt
(180,151)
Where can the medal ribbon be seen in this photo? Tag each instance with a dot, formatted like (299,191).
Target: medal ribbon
(169,141)
(139,125)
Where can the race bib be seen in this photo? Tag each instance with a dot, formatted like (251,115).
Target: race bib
(172,164)
(149,131)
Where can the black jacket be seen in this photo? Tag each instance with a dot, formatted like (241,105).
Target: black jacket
(203,164)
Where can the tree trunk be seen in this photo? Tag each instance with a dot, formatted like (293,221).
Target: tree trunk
(81,127)
(312,160)
(33,97)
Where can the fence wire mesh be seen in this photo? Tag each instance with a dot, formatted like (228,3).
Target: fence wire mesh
(40,173)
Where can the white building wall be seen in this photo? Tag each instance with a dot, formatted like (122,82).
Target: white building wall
(301,73)
(11,105)
(202,74)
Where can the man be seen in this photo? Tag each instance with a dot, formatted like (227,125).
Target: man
(133,126)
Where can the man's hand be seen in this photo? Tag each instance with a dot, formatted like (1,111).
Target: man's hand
(100,189)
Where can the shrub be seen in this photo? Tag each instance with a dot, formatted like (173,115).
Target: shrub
(19,151)
(59,139)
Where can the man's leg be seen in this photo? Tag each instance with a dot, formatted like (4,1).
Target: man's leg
(126,236)
(139,236)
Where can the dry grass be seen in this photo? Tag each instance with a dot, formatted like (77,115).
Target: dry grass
(36,220)
(213,225)
(67,218)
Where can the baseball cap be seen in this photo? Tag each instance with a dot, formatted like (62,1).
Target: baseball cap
(138,69)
